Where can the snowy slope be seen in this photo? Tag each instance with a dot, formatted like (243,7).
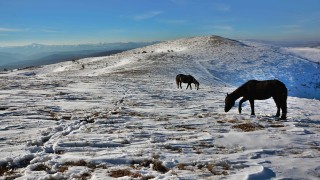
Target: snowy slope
(312,54)
(213,60)
(122,116)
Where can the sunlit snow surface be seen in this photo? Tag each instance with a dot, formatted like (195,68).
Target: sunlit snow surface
(123,114)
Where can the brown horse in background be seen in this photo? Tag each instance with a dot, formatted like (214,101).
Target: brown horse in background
(260,90)
(181,78)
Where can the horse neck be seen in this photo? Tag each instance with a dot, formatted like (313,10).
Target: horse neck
(194,81)
(237,93)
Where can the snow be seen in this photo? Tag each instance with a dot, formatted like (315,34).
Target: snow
(312,54)
(123,115)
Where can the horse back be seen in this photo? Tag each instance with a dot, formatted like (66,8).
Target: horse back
(265,89)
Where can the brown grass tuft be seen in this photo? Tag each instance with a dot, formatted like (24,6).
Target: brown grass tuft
(247,127)
(182,166)
(80,163)
(124,172)
(41,167)
(4,169)
(157,165)
(62,169)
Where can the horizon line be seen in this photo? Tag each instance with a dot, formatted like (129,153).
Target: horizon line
(21,44)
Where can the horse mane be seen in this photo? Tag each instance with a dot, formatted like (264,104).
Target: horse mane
(236,94)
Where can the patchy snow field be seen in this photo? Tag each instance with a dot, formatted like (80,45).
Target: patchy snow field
(122,116)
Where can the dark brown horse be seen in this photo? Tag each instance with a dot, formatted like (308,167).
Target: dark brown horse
(181,78)
(260,90)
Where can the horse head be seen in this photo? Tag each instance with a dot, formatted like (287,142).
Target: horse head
(197,84)
(228,103)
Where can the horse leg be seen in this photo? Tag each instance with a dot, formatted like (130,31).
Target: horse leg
(179,84)
(284,109)
(189,84)
(240,104)
(278,106)
(278,111)
(252,107)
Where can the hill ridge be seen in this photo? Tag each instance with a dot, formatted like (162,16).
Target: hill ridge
(213,60)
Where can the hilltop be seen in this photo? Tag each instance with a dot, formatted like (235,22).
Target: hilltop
(212,59)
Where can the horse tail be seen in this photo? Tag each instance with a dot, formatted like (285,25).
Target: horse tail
(284,90)
(177,80)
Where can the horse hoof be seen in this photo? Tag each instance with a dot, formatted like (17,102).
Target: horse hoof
(283,118)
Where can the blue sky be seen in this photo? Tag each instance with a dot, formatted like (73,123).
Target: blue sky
(93,21)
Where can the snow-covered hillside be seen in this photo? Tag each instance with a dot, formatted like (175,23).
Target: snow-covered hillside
(122,116)
(212,60)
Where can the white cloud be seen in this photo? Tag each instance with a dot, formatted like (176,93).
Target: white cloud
(9,30)
(48,30)
(40,29)
(147,15)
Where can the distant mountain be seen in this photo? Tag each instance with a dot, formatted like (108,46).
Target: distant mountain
(58,57)
(39,54)
(33,49)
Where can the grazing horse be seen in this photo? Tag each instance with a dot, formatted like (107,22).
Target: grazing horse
(260,90)
(181,78)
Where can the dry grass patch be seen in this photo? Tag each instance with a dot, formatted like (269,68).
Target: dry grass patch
(41,167)
(124,172)
(4,169)
(156,165)
(247,127)
(8,169)
(182,166)
(80,163)
(218,171)
(62,169)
